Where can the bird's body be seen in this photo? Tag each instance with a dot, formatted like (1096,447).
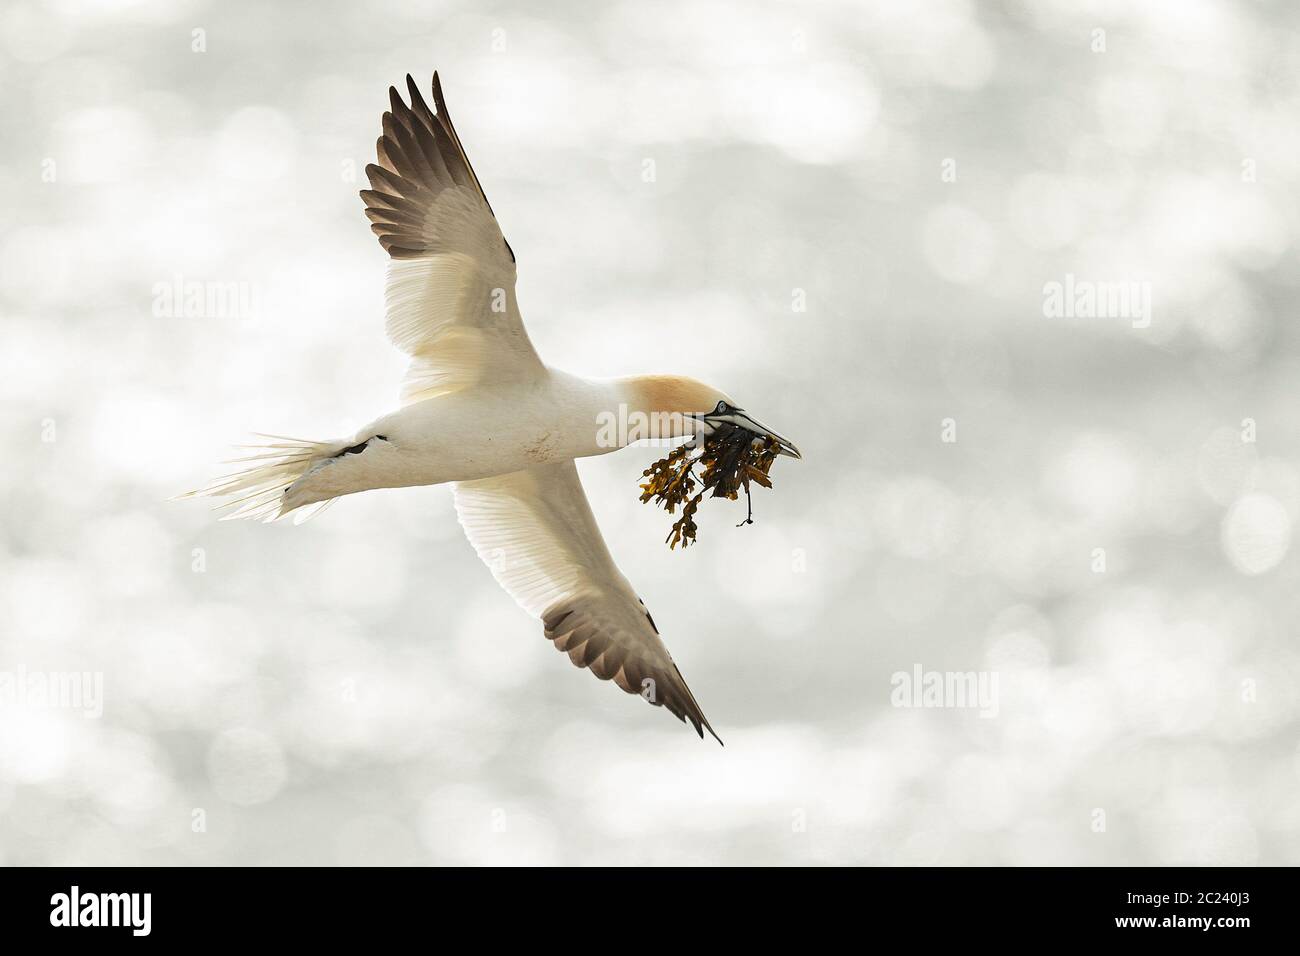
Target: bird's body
(483,412)
(482,431)
(477,432)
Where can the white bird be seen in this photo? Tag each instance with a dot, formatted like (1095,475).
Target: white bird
(481,410)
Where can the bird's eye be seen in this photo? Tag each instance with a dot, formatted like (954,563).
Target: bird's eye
(722,407)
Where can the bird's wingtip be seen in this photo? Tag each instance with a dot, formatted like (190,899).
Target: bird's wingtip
(701,725)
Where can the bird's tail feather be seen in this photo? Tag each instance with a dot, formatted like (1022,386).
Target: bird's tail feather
(255,490)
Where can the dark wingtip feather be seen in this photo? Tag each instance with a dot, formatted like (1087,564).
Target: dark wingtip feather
(419,107)
(399,108)
(702,724)
(438,101)
(413,90)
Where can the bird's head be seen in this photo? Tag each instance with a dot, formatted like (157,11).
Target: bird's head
(725,412)
(677,405)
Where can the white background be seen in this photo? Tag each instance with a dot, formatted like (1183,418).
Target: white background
(358,689)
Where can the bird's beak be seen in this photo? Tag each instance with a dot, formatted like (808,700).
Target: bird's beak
(742,419)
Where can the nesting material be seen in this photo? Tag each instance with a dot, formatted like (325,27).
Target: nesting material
(728,459)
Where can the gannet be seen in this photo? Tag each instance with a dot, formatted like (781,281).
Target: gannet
(479,409)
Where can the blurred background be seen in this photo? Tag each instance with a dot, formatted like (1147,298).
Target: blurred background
(850,216)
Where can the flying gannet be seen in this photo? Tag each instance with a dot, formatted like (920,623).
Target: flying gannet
(481,410)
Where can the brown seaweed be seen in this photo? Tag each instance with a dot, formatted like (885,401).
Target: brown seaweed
(729,459)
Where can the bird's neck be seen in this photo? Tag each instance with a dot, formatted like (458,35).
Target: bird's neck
(651,407)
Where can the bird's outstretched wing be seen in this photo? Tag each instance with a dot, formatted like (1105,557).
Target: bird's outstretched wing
(535,530)
(450,292)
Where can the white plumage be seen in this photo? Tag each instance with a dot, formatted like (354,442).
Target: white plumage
(480,409)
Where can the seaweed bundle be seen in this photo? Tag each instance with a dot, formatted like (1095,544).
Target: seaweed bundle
(729,458)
